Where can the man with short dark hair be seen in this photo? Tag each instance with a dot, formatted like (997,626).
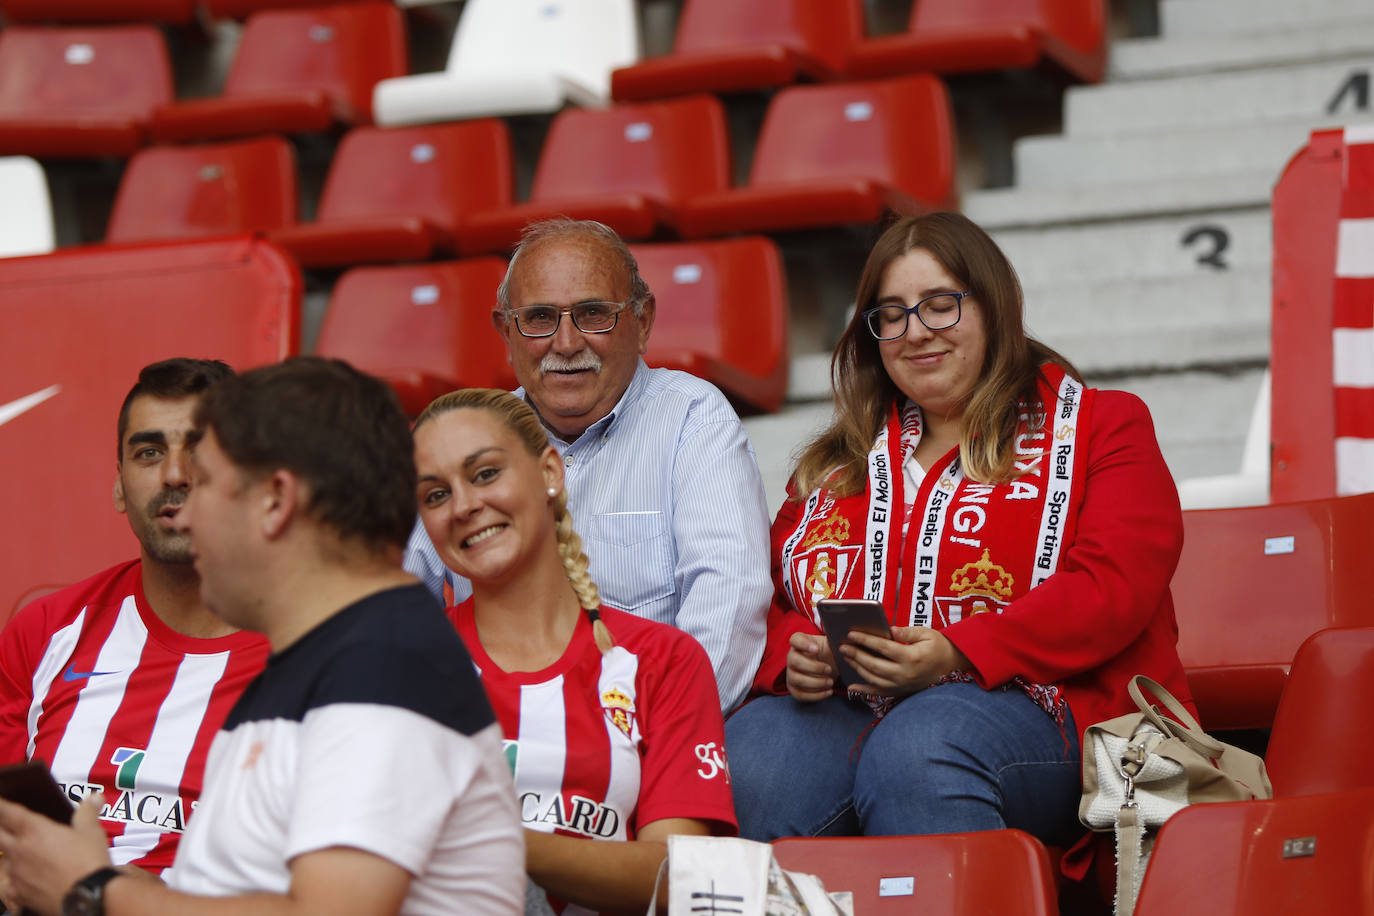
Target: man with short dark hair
(120,682)
(662,481)
(362,772)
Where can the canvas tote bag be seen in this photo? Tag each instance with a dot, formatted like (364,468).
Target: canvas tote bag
(709,874)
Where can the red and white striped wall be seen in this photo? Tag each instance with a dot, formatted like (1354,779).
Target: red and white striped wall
(1352,332)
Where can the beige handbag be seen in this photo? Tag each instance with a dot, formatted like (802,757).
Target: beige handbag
(1140,768)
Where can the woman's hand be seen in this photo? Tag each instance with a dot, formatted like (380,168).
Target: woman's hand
(810,668)
(912,660)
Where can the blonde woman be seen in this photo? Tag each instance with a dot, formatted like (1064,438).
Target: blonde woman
(612,723)
(1020,531)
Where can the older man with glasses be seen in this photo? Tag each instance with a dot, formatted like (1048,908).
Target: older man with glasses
(662,480)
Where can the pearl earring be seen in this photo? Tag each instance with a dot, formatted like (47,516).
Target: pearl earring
(552,492)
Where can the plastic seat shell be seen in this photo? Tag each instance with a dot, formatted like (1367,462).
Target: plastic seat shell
(80,91)
(836,154)
(977,36)
(961,874)
(92,317)
(1320,741)
(229,188)
(1309,854)
(26,219)
(296,71)
(632,167)
(764,44)
(424,328)
(1253,583)
(511,57)
(401,193)
(721,314)
(173,12)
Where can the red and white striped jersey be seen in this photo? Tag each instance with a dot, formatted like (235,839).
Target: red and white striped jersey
(603,744)
(115,701)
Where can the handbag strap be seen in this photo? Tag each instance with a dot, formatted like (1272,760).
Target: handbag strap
(658,880)
(1129,839)
(1185,727)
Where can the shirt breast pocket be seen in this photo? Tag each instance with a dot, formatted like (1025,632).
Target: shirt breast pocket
(631,556)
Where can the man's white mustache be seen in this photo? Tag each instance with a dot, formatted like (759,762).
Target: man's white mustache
(585,359)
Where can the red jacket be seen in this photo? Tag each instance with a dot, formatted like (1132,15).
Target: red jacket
(1103,617)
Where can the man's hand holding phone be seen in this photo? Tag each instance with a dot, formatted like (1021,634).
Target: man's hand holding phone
(44,856)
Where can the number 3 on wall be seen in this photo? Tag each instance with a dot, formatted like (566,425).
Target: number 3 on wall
(1214,241)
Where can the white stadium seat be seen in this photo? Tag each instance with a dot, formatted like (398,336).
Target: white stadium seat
(26,224)
(513,57)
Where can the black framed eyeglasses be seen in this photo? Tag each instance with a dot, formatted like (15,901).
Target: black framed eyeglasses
(938,312)
(595,317)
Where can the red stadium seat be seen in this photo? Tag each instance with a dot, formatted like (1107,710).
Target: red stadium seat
(632,167)
(92,317)
(424,328)
(726,47)
(1321,733)
(1006,872)
(837,154)
(174,12)
(80,92)
(400,193)
(1310,854)
(1252,584)
(721,314)
(242,9)
(33,594)
(296,71)
(975,36)
(170,192)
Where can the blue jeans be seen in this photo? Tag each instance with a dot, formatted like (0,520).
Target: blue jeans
(949,759)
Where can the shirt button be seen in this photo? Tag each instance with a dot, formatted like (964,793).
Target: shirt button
(568,460)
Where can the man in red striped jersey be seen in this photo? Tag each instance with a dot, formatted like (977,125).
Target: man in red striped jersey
(120,682)
(361,773)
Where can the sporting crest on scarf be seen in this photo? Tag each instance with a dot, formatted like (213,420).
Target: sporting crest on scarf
(825,558)
(975,588)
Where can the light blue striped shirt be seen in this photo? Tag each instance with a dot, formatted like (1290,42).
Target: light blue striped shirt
(667,496)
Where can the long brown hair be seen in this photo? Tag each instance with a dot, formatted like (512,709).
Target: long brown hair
(864,393)
(519,418)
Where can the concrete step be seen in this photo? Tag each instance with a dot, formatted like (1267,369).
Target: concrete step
(1174,246)
(1115,326)
(1330,89)
(1078,162)
(1232,17)
(1008,208)
(1200,417)
(777,439)
(1155,57)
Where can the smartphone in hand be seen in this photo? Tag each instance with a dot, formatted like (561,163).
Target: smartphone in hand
(31,785)
(839,616)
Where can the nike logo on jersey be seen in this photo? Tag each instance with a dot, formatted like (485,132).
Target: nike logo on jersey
(71,674)
(14,408)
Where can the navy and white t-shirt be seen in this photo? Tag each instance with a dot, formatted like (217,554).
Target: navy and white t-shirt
(372,732)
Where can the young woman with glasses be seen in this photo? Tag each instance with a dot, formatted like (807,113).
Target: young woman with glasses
(612,724)
(1020,531)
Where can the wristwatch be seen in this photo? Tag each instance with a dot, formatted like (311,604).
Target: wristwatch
(87,896)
